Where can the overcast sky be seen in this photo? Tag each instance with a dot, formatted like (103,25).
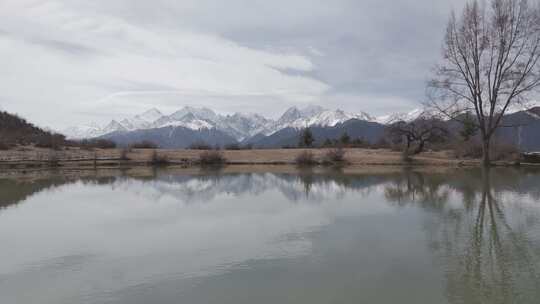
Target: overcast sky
(73,61)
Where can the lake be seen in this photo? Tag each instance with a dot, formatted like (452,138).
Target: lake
(271,235)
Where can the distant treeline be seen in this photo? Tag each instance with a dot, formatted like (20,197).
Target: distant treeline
(15,130)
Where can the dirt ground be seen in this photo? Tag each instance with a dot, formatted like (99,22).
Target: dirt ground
(75,157)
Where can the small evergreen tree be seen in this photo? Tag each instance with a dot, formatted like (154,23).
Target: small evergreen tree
(327,143)
(469,128)
(345,139)
(306,138)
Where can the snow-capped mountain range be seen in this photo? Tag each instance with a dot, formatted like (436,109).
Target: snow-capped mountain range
(239,125)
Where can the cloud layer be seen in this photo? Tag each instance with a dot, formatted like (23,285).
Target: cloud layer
(64,62)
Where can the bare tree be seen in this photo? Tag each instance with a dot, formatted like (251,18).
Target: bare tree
(490,64)
(424,129)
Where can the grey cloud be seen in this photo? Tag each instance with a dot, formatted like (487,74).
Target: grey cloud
(371,46)
(65,47)
(374,55)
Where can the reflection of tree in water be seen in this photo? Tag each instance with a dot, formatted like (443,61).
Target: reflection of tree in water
(417,187)
(485,244)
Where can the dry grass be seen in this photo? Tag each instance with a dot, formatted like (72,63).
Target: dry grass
(76,157)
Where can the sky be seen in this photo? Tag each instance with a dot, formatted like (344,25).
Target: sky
(67,62)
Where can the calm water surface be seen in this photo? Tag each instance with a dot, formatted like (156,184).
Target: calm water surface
(402,236)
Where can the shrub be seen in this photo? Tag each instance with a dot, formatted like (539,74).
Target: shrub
(4,146)
(504,151)
(159,160)
(200,146)
(327,143)
(236,146)
(212,157)
(334,156)
(53,141)
(88,144)
(305,158)
(473,149)
(468,149)
(145,144)
(53,159)
(124,154)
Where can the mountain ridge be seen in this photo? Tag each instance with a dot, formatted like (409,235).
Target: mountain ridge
(241,126)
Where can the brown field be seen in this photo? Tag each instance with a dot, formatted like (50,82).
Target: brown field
(27,157)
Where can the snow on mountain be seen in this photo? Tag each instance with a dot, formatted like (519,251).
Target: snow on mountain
(407,116)
(314,116)
(522,107)
(242,126)
(292,114)
(189,120)
(137,122)
(113,126)
(201,113)
(151,115)
(83,131)
(238,125)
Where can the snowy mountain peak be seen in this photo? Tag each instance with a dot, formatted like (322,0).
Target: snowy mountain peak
(290,115)
(202,113)
(151,115)
(407,116)
(114,126)
(237,125)
(312,110)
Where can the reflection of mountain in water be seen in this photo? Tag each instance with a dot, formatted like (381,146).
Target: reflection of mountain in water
(295,187)
(482,226)
(430,189)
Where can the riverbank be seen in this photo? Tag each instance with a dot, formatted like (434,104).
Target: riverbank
(36,158)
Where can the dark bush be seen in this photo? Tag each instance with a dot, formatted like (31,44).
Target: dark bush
(334,156)
(53,159)
(4,146)
(305,158)
(473,149)
(468,149)
(504,151)
(159,159)
(124,154)
(212,157)
(234,146)
(52,141)
(96,144)
(145,144)
(200,146)
(237,146)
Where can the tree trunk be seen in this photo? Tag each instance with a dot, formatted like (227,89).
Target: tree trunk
(486,161)
(419,148)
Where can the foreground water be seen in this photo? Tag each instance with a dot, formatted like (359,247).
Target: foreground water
(397,236)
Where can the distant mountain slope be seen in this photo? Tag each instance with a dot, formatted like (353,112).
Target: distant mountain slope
(355,128)
(522,129)
(171,137)
(16,130)
(197,123)
(241,126)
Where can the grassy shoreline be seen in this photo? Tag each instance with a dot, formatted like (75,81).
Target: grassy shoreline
(74,158)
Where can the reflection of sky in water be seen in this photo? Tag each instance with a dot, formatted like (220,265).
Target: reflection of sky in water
(116,241)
